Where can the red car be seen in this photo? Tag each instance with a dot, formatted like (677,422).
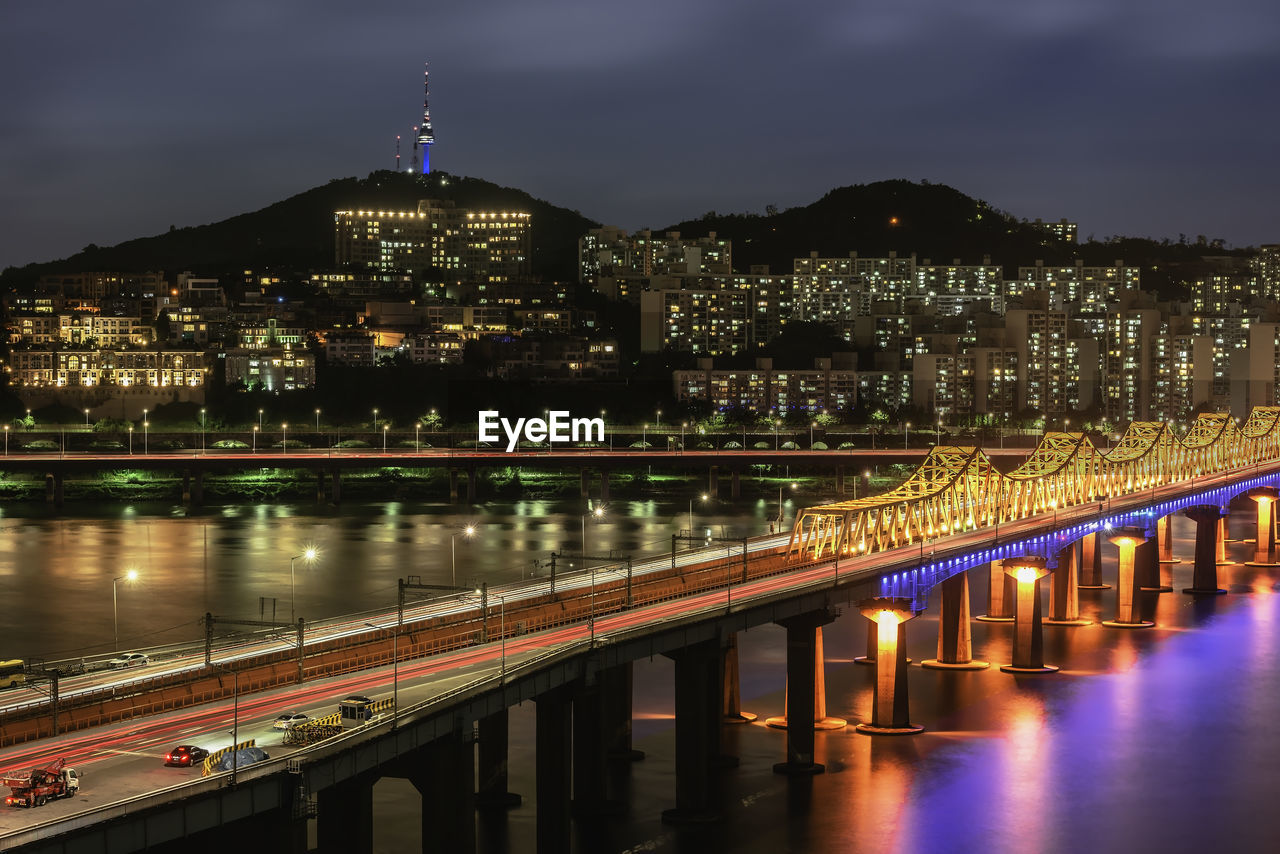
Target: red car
(185,755)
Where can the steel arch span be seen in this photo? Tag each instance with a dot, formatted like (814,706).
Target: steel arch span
(958,489)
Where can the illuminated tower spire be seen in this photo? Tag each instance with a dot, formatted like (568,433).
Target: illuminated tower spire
(425,137)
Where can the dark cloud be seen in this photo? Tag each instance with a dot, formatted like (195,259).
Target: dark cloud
(1140,117)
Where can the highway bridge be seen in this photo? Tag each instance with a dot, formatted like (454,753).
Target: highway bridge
(459,662)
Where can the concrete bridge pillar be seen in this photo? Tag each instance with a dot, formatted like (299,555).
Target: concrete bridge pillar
(1222,539)
(890,713)
(186,486)
(492,762)
(1091,563)
(1001,592)
(955,641)
(1204,577)
(1164,529)
(731,709)
(1264,552)
(735,485)
(445,777)
(1028,634)
(453,486)
(554,760)
(337,486)
(584,482)
(604,484)
(344,817)
(589,752)
(197,489)
(320,492)
(1064,592)
(53,489)
(473,485)
(839,480)
(697,702)
(713,482)
(820,718)
(616,684)
(802,702)
(1128,540)
(1146,561)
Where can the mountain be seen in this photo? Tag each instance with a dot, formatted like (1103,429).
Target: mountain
(297,233)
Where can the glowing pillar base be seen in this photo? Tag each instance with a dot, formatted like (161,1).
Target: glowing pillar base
(1204,581)
(1000,593)
(1091,564)
(889,707)
(955,645)
(1127,539)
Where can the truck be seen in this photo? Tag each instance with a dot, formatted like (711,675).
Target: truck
(36,787)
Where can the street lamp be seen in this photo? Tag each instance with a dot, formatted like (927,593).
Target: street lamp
(309,555)
(704,497)
(259,419)
(597,512)
(776,424)
(644,432)
(375,418)
(385,428)
(130,576)
(483,592)
(317,420)
(202,429)
(683,425)
(417,428)
(284,437)
(6,440)
(395,670)
(659,417)
(255,438)
(781,514)
(467,532)
(812,424)
(905,428)
(145,434)
(86,418)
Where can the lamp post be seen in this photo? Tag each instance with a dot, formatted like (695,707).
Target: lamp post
(145,434)
(309,555)
(597,512)
(781,515)
(683,424)
(130,576)
(417,431)
(937,439)
(259,419)
(812,424)
(659,418)
(86,419)
(284,437)
(704,497)
(644,434)
(905,427)
(375,418)
(317,420)
(202,428)
(395,669)
(775,433)
(6,441)
(385,428)
(468,531)
(255,438)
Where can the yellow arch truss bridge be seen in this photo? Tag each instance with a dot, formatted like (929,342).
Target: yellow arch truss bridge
(958,489)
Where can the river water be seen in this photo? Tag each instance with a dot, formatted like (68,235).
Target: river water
(1155,740)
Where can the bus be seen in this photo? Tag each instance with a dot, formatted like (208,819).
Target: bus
(13,673)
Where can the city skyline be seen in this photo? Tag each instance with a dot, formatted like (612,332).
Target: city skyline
(1091,113)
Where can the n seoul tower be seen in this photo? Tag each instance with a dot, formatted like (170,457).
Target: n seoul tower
(425,137)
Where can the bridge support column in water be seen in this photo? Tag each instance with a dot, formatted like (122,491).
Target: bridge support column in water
(1001,590)
(493,779)
(554,762)
(1127,540)
(1264,552)
(731,708)
(1147,566)
(804,681)
(589,751)
(735,484)
(697,679)
(444,774)
(1091,563)
(344,816)
(1164,530)
(53,489)
(1028,634)
(1064,591)
(820,718)
(616,684)
(890,713)
(604,484)
(1204,579)
(1222,539)
(955,640)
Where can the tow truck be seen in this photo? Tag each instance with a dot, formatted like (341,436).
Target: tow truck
(39,785)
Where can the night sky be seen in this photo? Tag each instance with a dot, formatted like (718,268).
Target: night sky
(1142,117)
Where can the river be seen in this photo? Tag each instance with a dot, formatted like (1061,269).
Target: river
(1156,740)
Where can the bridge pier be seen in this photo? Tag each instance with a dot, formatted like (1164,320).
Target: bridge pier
(713,483)
(604,484)
(320,493)
(473,484)
(453,486)
(1164,530)
(1146,559)
(445,778)
(801,703)
(1222,539)
(344,817)
(1127,539)
(1264,552)
(53,489)
(735,485)
(697,681)
(820,718)
(492,762)
(1204,579)
(554,762)
(584,482)
(731,709)
(890,713)
(1064,592)
(617,686)
(1091,563)
(1001,591)
(337,486)
(589,752)
(839,480)
(955,640)
(1028,634)
(186,487)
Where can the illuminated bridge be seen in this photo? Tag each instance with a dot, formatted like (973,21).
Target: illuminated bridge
(887,556)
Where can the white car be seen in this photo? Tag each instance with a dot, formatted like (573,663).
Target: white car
(129,659)
(289,720)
